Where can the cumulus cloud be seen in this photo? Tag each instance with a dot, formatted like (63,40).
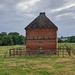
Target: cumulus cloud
(24,6)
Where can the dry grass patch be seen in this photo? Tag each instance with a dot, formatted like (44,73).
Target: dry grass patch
(64,60)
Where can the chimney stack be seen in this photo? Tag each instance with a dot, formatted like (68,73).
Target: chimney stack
(42,13)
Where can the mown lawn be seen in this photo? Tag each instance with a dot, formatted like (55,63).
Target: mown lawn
(36,65)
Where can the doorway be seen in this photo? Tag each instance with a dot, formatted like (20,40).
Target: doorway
(40,48)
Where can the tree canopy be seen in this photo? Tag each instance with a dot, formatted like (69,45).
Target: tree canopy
(70,39)
(12,38)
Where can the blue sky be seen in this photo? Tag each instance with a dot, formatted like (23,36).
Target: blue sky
(15,15)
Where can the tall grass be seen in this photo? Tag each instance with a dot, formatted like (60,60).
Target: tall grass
(36,65)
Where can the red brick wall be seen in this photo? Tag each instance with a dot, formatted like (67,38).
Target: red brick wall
(47,38)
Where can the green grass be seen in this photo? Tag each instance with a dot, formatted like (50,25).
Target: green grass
(66,44)
(4,49)
(36,65)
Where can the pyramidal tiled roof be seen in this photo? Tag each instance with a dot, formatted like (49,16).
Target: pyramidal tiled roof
(42,21)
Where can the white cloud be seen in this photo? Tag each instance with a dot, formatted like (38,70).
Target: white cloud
(26,5)
(1,6)
(66,14)
(29,15)
(64,7)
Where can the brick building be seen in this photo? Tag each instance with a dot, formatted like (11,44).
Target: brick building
(41,35)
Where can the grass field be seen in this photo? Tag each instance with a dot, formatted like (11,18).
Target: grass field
(36,65)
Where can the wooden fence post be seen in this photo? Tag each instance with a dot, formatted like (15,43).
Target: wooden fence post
(10,52)
(58,51)
(63,52)
(68,49)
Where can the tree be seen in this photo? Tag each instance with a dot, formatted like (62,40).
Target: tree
(15,40)
(60,40)
(13,34)
(3,33)
(15,37)
(21,39)
(4,40)
(0,40)
(25,40)
(72,39)
(9,40)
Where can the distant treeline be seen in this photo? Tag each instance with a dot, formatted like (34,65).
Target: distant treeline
(12,38)
(70,39)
